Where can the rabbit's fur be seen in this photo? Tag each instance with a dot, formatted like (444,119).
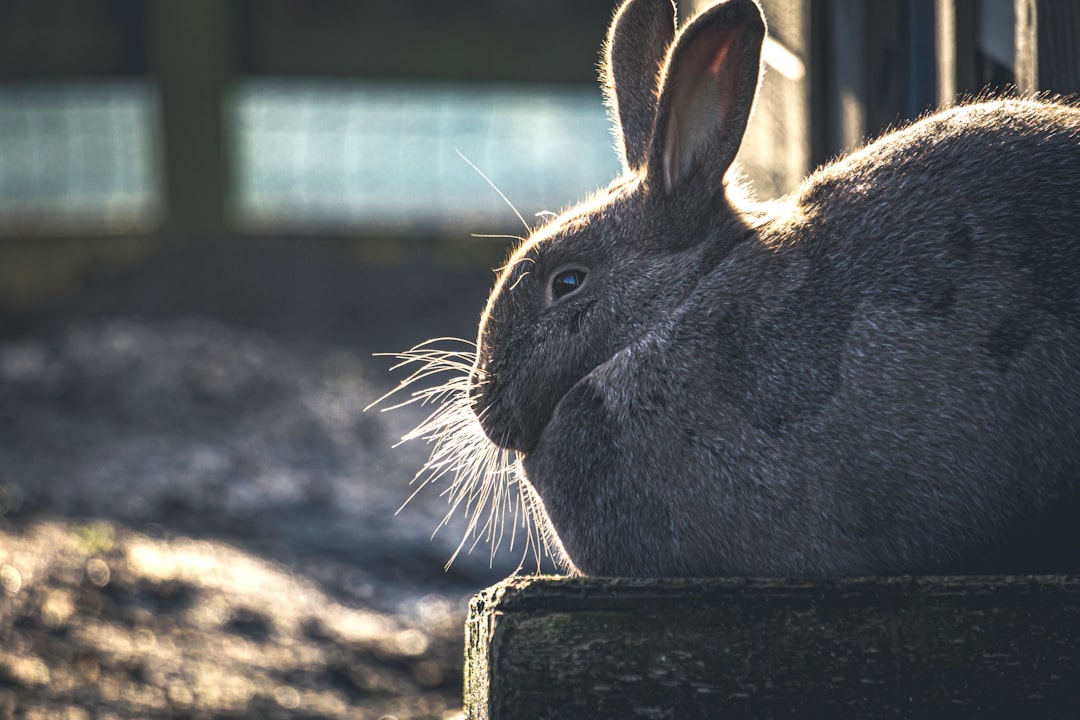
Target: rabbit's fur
(879,373)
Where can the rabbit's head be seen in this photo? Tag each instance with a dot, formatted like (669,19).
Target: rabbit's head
(607,272)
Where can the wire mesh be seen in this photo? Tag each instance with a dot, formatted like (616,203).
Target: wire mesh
(79,157)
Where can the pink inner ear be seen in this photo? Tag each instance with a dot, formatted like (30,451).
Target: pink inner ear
(720,56)
(704,88)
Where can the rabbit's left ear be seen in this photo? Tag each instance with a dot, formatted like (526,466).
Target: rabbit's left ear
(706,95)
(637,43)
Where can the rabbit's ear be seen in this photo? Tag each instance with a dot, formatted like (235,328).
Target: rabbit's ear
(637,44)
(706,94)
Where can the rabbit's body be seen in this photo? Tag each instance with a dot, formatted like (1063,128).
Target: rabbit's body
(843,392)
(876,374)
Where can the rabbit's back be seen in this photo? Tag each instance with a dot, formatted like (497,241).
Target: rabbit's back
(968,220)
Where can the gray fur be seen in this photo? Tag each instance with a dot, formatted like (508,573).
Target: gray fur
(879,373)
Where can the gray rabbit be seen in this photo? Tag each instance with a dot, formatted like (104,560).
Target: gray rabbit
(879,373)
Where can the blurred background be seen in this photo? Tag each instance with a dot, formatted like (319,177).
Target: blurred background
(214,212)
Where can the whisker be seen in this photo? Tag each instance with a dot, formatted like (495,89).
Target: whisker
(485,236)
(523,258)
(486,482)
(528,230)
(520,278)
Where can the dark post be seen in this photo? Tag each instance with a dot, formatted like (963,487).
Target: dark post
(189,56)
(1047,46)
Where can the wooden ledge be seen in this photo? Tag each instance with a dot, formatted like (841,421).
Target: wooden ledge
(547,647)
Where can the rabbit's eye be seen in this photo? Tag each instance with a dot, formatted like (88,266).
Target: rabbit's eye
(566,282)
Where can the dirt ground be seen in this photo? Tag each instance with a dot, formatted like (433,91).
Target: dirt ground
(197,517)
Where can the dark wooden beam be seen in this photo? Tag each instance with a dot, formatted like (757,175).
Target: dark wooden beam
(872,647)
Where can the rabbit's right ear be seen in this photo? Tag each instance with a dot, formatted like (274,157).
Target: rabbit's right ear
(706,96)
(637,44)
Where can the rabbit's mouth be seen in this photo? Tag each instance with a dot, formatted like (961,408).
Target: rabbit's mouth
(501,427)
(502,423)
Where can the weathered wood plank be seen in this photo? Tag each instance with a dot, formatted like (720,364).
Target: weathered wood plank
(910,647)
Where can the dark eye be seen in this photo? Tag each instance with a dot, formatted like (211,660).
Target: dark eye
(566,282)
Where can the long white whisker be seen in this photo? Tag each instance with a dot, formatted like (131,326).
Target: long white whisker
(528,229)
(485,236)
(520,278)
(487,482)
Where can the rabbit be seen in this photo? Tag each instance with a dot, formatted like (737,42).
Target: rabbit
(876,374)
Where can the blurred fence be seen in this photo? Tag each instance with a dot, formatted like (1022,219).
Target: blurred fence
(204,143)
(82,157)
(386,154)
(79,157)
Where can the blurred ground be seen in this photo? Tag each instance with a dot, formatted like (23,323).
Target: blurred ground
(196,515)
(105,623)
